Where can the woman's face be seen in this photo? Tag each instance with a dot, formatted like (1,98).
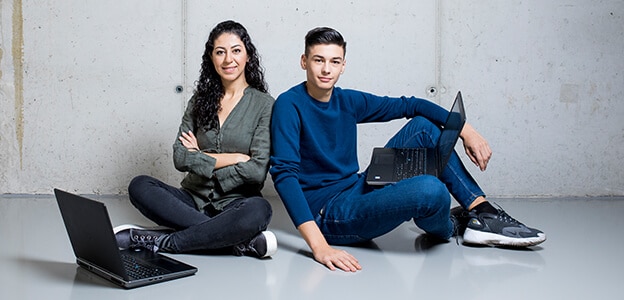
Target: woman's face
(229,57)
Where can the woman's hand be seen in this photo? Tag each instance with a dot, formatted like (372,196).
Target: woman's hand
(189,141)
(476,147)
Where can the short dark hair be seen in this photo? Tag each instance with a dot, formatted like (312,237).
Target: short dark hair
(324,36)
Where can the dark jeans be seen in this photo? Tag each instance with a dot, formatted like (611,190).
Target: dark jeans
(173,207)
(362,212)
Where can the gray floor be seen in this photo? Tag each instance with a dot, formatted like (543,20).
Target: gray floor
(581,259)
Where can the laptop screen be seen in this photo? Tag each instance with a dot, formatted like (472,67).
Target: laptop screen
(452,128)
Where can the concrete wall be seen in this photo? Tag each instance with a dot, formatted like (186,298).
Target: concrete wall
(88,88)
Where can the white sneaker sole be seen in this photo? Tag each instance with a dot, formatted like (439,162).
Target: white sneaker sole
(271,241)
(472,236)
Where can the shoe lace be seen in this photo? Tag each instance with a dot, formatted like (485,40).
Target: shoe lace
(146,241)
(504,217)
(244,247)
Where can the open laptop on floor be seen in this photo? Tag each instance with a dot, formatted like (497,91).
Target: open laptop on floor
(91,235)
(389,165)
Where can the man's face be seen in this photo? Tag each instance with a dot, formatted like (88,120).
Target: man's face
(323,64)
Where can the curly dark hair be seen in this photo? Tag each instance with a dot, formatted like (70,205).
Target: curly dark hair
(209,89)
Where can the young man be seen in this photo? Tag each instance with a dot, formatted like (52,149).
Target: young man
(315,167)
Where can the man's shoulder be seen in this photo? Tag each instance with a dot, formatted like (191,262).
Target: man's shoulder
(349,92)
(291,96)
(293,91)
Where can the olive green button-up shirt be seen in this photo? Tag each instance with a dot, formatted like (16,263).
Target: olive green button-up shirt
(246,130)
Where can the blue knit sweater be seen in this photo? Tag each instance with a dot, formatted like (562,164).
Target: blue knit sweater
(314,144)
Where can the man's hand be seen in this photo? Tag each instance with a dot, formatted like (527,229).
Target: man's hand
(334,258)
(330,257)
(476,147)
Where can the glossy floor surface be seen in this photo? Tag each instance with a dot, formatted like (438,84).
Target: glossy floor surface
(582,259)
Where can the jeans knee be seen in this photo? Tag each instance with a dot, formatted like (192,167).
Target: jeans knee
(137,185)
(419,132)
(437,191)
(264,209)
(419,120)
(420,123)
(137,182)
(256,211)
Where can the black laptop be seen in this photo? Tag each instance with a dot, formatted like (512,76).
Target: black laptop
(389,165)
(91,235)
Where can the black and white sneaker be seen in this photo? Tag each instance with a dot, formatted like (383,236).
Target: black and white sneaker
(130,236)
(500,230)
(263,245)
(462,217)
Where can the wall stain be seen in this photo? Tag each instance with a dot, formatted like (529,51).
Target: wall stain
(18,69)
(1,52)
(569,93)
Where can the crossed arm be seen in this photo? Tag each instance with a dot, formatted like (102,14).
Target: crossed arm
(189,141)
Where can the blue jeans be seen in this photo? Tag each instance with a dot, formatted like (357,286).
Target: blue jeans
(195,230)
(362,212)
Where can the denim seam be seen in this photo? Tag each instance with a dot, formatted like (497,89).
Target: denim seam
(388,212)
(473,196)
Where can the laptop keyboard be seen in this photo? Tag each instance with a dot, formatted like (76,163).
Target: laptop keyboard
(138,270)
(409,163)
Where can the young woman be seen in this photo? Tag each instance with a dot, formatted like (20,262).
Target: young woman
(223,145)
